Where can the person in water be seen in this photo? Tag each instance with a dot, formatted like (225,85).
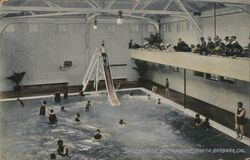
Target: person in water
(52,117)
(43,109)
(149,97)
(159,101)
(197,120)
(62,149)
(206,124)
(52,156)
(121,122)
(98,135)
(20,103)
(77,119)
(88,106)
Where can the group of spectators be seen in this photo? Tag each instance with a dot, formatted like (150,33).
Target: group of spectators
(213,46)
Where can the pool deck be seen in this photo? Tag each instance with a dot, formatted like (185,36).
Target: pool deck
(219,115)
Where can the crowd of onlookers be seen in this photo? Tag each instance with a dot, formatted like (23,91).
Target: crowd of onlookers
(212,46)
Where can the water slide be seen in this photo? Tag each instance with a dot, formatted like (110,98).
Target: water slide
(106,73)
(109,82)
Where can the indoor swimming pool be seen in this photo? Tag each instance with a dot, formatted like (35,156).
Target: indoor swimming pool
(153,131)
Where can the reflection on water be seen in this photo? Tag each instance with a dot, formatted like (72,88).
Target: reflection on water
(152,131)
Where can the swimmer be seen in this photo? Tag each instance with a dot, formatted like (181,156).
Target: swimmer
(65,93)
(43,109)
(52,156)
(20,103)
(88,106)
(62,150)
(159,101)
(81,93)
(197,121)
(63,109)
(77,119)
(121,122)
(149,97)
(52,117)
(98,135)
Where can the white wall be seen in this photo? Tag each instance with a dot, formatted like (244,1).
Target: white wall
(220,95)
(228,24)
(40,54)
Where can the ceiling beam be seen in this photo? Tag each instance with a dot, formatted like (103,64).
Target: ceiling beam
(111,4)
(145,6)
(227,1)
(136,5)
(87,10)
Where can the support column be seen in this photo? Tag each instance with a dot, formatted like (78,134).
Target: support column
(185,89)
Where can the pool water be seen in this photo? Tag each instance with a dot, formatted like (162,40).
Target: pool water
(152,132)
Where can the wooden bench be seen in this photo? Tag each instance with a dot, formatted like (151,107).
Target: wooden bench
(44,87)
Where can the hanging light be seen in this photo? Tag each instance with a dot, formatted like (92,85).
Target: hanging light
(95,25)
(119,19)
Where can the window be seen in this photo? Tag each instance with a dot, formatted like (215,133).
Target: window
(169,27)
(175,69)
(188,26)
(10,28)
(151,28)
(33,28)
(62,28)
(198,74)
(111,28)
(212,77)
(135,28)
(178,26)
(227,80)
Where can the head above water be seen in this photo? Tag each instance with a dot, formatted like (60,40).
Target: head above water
(197,115)
(52,110)
(52,156)
(62,108)
(77,114)
(98,131)
(60,142)
(44,102)
(240,104)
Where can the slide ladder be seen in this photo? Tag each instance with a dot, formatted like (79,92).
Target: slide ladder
(100,59)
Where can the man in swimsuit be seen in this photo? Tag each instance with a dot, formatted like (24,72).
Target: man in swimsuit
(88,106)
(62,150)
(121,122)
(52,117)
(240,120)
(43,109)
(98,135)
(20,103)
(77,119)
(197,121)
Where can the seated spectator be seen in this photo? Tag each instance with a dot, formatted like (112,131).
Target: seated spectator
(226,40)
(203,47)
(182,46)
(237,48)
(219,48)
(197,120)
(229,48)
(169,48)
(162,47)
(210,45)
